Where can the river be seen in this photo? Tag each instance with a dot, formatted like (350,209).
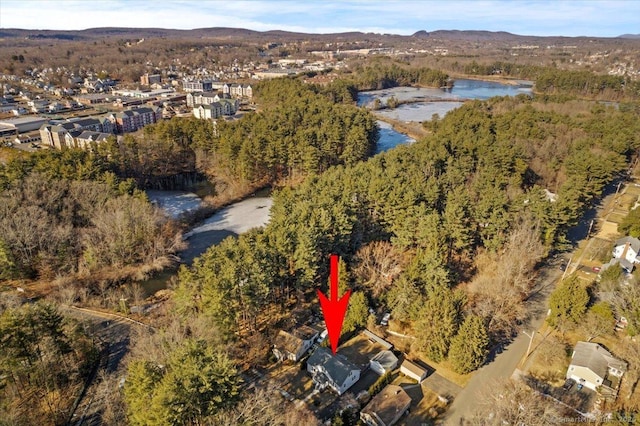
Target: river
(252,212)
(422,103)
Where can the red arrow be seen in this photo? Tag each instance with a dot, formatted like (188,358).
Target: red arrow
(334,309)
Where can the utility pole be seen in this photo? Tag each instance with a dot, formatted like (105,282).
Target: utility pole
(590,226)
(566,268)
(530,341)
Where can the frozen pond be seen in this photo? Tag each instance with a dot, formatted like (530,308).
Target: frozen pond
(230,221)
(238,217)
(418,111)
(424,102)
(174,203)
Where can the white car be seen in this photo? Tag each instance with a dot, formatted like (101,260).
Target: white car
(322,336)
(385,319)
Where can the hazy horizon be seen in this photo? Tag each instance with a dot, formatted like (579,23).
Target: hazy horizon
(533,18)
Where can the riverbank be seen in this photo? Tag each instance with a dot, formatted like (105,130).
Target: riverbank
(412,129)
(509,81)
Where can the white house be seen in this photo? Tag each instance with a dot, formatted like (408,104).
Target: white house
(294,344)
(383,362)
(332,371)
(593,366)
(627,248)
(413,370)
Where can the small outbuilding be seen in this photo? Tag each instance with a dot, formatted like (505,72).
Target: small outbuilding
(413,370)
(383,362)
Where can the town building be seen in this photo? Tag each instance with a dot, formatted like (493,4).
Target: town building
(86,138)
(216,109)
(197,85)
(149,79)
(62,134)
(202,98)
(134,119)
(15,126)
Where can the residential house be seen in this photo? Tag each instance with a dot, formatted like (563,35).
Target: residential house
(295,343)
(383,362)
(332,371)
(594,367)
(627,249)
(134,119)
(387,407)
(413,370)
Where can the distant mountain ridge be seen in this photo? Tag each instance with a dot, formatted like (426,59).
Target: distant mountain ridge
(242,33)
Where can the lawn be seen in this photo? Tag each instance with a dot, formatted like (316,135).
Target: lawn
(360,350)
(296,382)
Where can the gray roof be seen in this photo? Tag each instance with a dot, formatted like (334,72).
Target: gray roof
(292,340)
(634,243)
(94,136)
(596,358)
(386,359)
(337,368)
(387,406)
(624,263)
(85,122)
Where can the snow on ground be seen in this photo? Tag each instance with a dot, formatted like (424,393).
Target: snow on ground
(175,203)
(238,217)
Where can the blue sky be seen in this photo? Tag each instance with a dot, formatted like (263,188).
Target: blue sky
(555,17)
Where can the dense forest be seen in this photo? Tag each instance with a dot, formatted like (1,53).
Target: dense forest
(469,204)
(44,360)
(446,233)
(89,212)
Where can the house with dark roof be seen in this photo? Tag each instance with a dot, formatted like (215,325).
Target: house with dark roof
(383,362)
(387,407)
(593,366)
(332,371)
(294,344)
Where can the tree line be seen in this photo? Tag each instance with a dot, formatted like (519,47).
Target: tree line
(469,203)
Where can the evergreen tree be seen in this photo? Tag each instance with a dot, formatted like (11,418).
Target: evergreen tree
(357,312)
(568,303)
(468,349)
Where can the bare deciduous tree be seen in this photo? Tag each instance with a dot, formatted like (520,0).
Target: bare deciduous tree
(377,265)
(513,402)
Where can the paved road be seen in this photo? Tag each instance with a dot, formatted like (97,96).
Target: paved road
(112,332)
(467,402)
